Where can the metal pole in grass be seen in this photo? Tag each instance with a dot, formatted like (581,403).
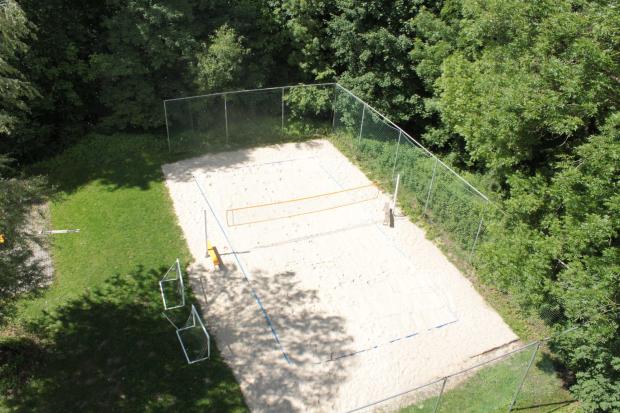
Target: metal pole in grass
(226,117)
(473,247)
(362,123)
(527,370)
(395,192)
(400,134)
(282,110)
(334,109)
(443,386)
(167,128)
(430,187)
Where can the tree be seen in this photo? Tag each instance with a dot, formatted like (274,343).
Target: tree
(16,90)
(147,48)
(219,66)
(521,82)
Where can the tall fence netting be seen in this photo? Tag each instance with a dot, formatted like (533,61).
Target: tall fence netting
(248,118)
(427,187)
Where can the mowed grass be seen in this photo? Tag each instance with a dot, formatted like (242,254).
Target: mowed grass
(95,340)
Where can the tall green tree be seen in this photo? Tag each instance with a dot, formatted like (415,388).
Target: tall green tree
(16,90)
(365,45)
(519,82)
(19,271)
(147,48)
(220,64)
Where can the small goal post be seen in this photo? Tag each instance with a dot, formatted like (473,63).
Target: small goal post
(172,288)
(194,338)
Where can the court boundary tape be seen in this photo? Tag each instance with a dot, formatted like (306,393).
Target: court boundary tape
(243,271)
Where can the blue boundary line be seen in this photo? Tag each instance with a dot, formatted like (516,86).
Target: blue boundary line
(254,294)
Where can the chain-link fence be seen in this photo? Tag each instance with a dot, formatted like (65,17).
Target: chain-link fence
(248,118)
(429,189)
(428,185)
(522,379)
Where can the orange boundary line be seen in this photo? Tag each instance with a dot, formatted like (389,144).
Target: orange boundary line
(376,195)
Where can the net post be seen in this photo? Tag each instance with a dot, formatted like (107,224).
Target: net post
(359,140)
(400,134)
(167,128)
(430,187)
(395,192)
(226,117)
(204,214)
(443,387)
(282,110)
(527,370)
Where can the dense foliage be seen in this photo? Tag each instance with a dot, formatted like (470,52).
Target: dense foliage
(522,94)
(19,269)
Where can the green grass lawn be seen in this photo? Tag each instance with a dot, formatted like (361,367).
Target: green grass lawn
(96,340)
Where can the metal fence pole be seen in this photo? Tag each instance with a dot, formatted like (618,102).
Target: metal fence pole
(473,247)
(167,128)
(443,386)
(282,110)
(334,109)
(362,123)
(527,370)
(226,117)
(400,134)
(430,187)
(191,119)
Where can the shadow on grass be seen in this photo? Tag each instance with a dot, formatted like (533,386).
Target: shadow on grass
(111,350)
(134,161)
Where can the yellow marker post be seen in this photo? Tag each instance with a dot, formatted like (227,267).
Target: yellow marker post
(215,257)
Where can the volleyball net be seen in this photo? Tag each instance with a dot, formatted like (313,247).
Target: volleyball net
(289,208)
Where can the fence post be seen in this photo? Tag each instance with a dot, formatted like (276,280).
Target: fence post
(282,110)
(527,370)
(471,252)
(362,123)
(334,109)
(430,187)
(167,128)
(400,133)
(226,118)
(443,386)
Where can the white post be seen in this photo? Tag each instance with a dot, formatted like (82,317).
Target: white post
(396,192)
(204,214)
(226,118)
(400,133)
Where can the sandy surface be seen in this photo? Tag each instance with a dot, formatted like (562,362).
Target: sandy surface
(326,311)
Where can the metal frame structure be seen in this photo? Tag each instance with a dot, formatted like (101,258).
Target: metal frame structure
(181,287)
(196,321)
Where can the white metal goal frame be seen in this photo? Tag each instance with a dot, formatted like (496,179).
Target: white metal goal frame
(168,279)
(194,321)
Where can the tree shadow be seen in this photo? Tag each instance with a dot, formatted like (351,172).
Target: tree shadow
(111,350)
(133,161)
(269,382)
